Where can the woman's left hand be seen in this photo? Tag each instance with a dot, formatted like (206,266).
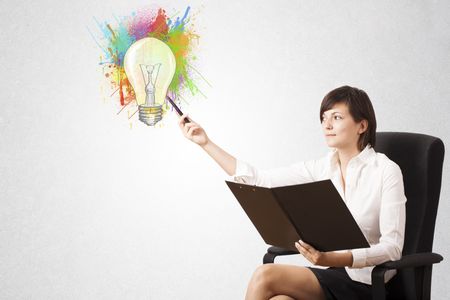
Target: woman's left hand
(314,256)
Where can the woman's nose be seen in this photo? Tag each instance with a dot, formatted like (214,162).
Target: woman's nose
(327,124)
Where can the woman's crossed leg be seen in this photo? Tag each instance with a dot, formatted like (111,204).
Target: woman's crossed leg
(278,281)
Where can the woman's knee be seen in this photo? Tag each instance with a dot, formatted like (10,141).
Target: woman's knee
(265,276)
(297,282)
(281,297)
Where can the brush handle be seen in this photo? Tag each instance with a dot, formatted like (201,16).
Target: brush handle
(186,120)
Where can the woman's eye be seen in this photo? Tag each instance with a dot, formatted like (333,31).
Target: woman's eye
(337,117)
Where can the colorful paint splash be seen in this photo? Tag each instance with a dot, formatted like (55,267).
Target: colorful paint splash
(177,33)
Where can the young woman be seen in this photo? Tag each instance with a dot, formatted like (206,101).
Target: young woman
(370,184)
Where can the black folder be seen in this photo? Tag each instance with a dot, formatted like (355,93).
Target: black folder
(313,212)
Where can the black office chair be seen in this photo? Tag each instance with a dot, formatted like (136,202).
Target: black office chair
(420,158)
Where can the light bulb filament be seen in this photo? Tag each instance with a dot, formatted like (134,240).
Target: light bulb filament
(150,74)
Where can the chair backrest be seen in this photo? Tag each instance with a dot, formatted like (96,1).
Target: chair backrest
(420,158)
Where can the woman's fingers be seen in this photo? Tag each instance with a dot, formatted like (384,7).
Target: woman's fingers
(188,126)
(182,123)
(310,249)
(300,248)
(191,131)
(181,120)
(306,246)
(309,252)
(303,251)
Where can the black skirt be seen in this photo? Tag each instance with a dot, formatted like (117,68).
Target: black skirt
(337,285)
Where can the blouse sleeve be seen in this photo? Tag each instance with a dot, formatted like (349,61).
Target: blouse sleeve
(296,173)
(392,222)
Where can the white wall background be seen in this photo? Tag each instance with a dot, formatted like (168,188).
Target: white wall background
(90,209)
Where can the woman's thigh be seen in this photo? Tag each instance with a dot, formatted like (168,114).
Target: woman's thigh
(294,281)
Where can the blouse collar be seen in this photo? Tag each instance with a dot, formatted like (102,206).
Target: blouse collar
(364,157)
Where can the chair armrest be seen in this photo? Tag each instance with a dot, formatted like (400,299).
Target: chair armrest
(412,261)
(426,259)
(281,251)
(273,252)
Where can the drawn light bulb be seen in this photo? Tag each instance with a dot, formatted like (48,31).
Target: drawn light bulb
(150,65)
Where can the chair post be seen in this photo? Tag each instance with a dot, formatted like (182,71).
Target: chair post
(426,282)
(269,258)
(378,286)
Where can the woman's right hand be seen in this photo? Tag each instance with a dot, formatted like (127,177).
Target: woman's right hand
(193,131)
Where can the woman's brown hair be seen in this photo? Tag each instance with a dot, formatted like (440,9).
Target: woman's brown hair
(360,108)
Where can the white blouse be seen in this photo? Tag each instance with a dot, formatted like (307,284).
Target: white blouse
(374,194)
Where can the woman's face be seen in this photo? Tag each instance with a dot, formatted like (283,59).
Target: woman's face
(340,129)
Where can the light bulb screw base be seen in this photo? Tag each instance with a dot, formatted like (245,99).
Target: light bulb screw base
(150,114)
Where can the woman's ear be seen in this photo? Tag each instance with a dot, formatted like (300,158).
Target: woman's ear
(363,126)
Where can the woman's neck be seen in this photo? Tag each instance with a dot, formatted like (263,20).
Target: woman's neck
(345,155)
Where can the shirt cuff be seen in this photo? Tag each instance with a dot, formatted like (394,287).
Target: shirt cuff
(359,258)
(242,170)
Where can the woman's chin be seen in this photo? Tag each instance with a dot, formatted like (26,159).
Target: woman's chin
(331,144)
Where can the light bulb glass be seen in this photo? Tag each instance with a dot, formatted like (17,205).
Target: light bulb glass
(150,65)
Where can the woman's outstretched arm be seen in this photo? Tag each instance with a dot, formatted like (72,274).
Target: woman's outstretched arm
(195,133)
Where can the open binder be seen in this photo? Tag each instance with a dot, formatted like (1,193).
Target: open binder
(313,212)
